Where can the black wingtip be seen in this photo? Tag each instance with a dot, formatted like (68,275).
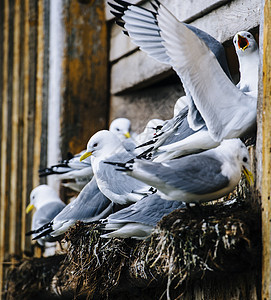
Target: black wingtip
(30,232)
(120,23)
(44,233)
(153,141)
(146,154)
(123,3)
(118,8)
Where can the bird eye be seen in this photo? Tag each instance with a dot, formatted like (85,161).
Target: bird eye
(245,159)
(249,35)
(95,145)
(117,129)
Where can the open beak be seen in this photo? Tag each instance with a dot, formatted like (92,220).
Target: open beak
(249,176)
(85,155)
(242,42)
(127,135)
(29,208)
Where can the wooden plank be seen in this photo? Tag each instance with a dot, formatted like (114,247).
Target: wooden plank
(221,23)
(266,154)
(4,141)
(39,95)
(14,130)
(186,11)
(20,219)
(26,63)
(85,102)
(45,87)
(135,71)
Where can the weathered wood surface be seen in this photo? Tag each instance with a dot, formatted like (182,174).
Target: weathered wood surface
(22,122)
(85,105)
(155,102)
(265,132)
(4,102)
(222,23)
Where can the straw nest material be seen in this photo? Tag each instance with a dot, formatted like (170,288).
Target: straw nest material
(187,245)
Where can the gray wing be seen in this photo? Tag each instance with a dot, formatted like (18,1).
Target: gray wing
(198,173)
(90,203)
(118,182)
(46,214)
(148,211)
(142,27)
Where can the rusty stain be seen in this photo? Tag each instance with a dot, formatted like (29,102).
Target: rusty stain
(84,108)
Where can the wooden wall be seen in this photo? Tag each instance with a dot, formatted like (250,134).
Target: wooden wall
(24,85)
(23,96)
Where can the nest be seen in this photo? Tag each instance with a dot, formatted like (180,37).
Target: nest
(188,245)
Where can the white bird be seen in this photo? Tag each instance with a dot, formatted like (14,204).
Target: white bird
(117,187)
(138,220)
(47,204)
(195,178)
(80,173)
(89,206)
(248,56)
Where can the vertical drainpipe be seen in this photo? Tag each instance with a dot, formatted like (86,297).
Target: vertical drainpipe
(57,39)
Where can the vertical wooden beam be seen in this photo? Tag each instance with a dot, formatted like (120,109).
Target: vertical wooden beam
(39,94)
(4,141)
(25,120)
(266,154)
(14,130)
(85,98)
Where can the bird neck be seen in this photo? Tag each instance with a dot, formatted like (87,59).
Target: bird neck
(249,71)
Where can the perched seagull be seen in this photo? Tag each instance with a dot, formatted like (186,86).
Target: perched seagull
(138,220)
(121,127)
(141,25)
(195,178)
(89,206)
(81,172)
(149,131)
(117,187)
(248,56)
(47,204)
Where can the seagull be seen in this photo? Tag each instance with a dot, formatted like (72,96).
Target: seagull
(248,56)
(117,187)
(81,172)
(47,204)
(194,178)
(89,206)
(138,220)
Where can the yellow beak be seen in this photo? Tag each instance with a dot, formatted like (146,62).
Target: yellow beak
(127,135)
(249,176)
(29,208)
(85,155)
